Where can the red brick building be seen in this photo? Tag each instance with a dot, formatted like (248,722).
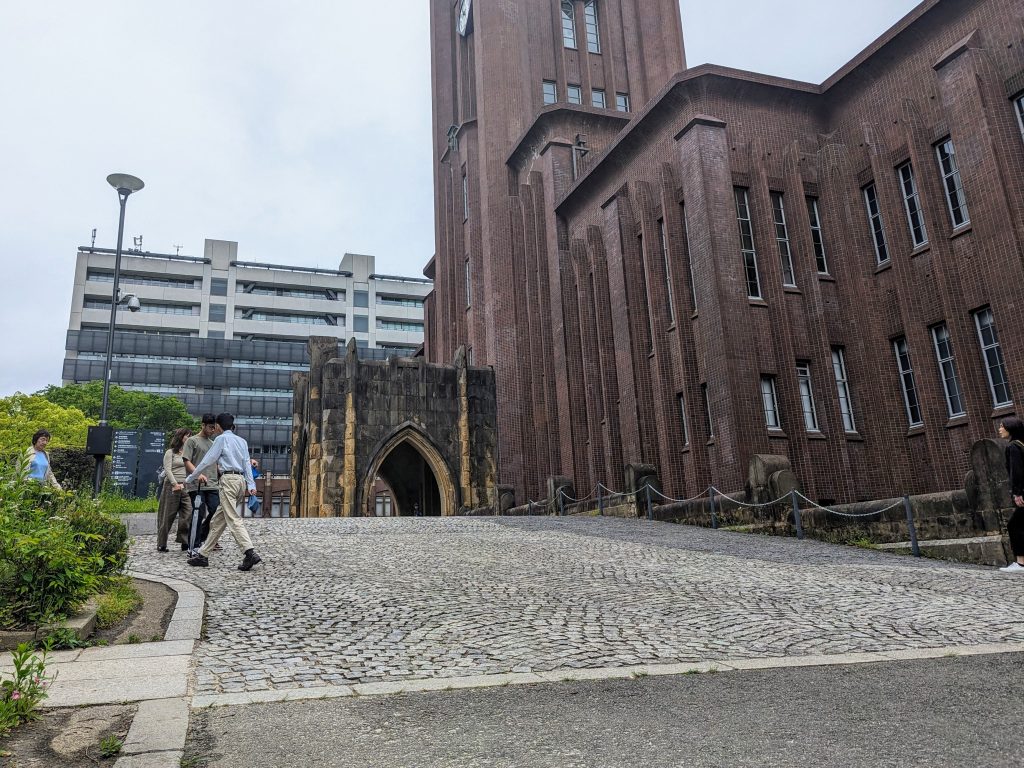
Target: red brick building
(686,267)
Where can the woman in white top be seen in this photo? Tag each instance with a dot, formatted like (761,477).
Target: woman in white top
(174,500)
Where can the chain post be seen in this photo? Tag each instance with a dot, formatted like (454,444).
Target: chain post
(561,503)
(650,510)
(795,501)
(714,514)
(600,500)
(915,547)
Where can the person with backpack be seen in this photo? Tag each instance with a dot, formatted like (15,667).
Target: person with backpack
(175,505)
(1012,429)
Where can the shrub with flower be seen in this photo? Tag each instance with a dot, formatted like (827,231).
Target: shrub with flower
(21,693)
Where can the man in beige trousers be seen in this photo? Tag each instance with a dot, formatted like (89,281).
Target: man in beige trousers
(231,455)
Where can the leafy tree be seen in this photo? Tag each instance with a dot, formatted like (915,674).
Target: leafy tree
(126,409)
(21,415)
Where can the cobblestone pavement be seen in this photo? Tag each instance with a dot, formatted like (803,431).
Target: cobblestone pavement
(370,600)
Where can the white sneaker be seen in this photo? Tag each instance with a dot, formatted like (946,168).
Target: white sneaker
(1013,568)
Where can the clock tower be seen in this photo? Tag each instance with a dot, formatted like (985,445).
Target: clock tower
(498,67)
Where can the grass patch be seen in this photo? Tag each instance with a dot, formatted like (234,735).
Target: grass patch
(118,505)
(117,602)
(110,746)
(863,542)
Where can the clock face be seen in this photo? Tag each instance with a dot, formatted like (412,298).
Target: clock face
(464,17)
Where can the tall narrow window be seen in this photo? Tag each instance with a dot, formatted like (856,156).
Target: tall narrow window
(803,376)
(770,400)
(782,238)
(622,102)
(816,236)
(747,243)
(465,196)
(843,389)
(955,198)
(598,99)
(709,425)
(568,24)
(646,299)
(689,258)
(681,399)
(593,30)
(469,285)
(575,94)
(663,238)
(947,369)
(993,355)
(875,218)
(912,205)
(907,382)
(1019,104)
(550,90)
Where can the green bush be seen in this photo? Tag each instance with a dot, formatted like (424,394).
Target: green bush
(73,467)
(21,694)
(113,503)
(56,548)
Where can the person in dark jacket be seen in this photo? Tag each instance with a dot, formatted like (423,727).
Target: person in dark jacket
(1012,429)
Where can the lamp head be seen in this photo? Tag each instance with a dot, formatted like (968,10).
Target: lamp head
(125,183)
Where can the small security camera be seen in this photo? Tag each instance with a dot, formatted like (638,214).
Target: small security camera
(134,305)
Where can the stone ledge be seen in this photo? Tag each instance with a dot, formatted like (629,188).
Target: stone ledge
(83,623)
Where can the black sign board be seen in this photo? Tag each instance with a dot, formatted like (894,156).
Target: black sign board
(136,460)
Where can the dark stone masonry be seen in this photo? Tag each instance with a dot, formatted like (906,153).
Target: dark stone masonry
(427,430)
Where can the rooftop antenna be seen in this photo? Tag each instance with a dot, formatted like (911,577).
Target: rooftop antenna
(177,250)
(93,238)
(138,242)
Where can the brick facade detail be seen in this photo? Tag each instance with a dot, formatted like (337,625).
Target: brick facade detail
(589,232)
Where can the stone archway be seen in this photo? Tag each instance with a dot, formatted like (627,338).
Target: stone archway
(411,441)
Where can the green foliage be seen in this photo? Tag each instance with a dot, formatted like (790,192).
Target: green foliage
(113,503)
(110,746)
(125,409)
(21,692)
(56,548)
(63,639)
(22,415)
(73,467)
(133,639)
(120,599)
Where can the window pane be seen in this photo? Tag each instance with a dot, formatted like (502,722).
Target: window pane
(912,205)
(550,92)
(575,94)
(816,236)
(803,375)
(843,389)
(217,313)
(753,280)
(947,369)
(875,219)
(663,237)
(770,402)
(219,286)
(782,238)
(681,399)
(993,357)
(593,32)
(360,299)
(955,198)
(568,24)
(598,99)
(360,323)
(907,382)
(622,102)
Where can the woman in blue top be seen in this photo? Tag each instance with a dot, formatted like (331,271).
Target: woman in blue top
(39,460)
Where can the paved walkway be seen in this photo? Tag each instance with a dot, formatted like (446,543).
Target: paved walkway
(366,601)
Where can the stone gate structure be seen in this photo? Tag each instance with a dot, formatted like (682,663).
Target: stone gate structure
(429,431)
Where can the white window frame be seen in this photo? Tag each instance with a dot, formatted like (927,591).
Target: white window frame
(810,410)
(952,184)
(1018,104)
(465,195)
(877,225)
(574,94)
(742,197)
(622,102)
(943,344)
(568,24)
(550,94)
(782,238)
(593,26)
(469,283)
(990,349)
(681,401)
(770,403)
(663,235)
(908,383)
(594,94)
(817,236)
(707,410)
(912,205)
(843,390)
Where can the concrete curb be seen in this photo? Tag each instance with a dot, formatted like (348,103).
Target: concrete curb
(600,673)
(158,731)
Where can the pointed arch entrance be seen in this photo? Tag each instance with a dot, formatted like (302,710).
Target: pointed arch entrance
(411,464)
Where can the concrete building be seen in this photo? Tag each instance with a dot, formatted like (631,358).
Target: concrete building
(226,335)
(688,267)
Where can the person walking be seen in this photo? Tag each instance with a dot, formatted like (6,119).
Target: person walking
(231,453)
(38,459)
(1012,429)
(196,448)
(174,502)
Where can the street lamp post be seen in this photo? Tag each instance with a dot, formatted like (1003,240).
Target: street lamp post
(125,185)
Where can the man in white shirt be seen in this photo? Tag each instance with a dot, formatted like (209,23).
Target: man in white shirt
(231,455)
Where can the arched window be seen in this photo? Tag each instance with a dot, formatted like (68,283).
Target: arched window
(568,24)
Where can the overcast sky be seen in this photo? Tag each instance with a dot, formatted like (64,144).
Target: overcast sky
(299,129)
